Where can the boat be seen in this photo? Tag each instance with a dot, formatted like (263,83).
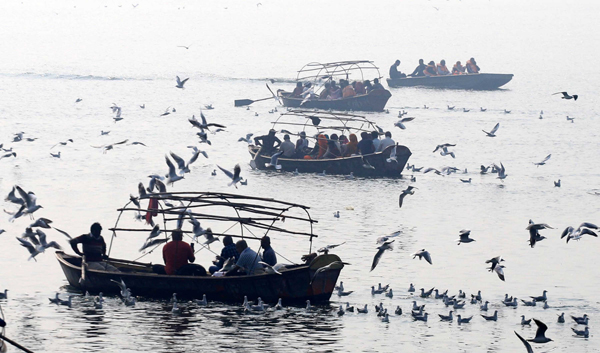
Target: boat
(240,217)
(320,73)
(371,165)
(467,81)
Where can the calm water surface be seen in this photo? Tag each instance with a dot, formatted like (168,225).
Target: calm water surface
(54,52)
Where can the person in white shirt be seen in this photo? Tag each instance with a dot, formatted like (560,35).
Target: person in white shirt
(287,146)
(376,140)
(386,142)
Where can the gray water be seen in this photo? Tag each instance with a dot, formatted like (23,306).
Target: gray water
(106,52)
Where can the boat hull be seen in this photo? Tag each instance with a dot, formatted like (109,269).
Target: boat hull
(468,81)
(343,166)
(294,285)
(374,101)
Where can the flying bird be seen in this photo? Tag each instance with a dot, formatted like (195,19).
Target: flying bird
(203,124)
(172,176)
(109,147)
(527,345)
(180,83)
(423,254)
(544,160)
(381,249)
(566,95)
(445,145)
(235,176)
(533,229)
(464,237)
(408,191)
(246,139)
(400,123)
(540,334)
(492,133)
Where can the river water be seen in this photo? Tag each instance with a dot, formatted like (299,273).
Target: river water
(106,52)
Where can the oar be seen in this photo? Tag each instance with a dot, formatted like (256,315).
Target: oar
(274,95)
(242,102)
(14,344)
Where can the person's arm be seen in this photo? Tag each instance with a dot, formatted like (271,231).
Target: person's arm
(104,249)
(191,256)
(257,140)
(278,141)
(74,243)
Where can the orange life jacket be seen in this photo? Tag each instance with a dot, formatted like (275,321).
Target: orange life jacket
(472,67)
(457,70)
(430,71)
(442,69)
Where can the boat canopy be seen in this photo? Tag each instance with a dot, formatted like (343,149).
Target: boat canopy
(239,216)
(318,72)
(315,122)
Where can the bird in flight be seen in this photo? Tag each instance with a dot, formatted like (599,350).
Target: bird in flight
(493,132)
(566,95)
(180,82)
(408,191)
(183,46)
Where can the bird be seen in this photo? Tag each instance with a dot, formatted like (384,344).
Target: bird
(583,320)
(494,262)
(540,334)
(331,266)
(461,320)
(445,152)
(108,147)
(381,249)
(570,119)
(525,322)
(466,181)
(533,229)
(484,307)
(203,302)
(543,161)
(561,318)
(446,317)
(125,293)
(389,294)
(421,318)
(506,111)
(445,145)
(62,143)
(423,254)
(78,100)
(204,125)
(143,106)
(501,172)
(6,155)
(499,269)
(270,269)
(180,82)
(363,310)
(557,183)
(214,172)
(464,237)
(411,288)
(41,222)
(175,310)
(540,298)
(482,109)
(386,318)
(466,110)
(4,295)
(398,310)
(408,191)
(491,317)
(326,248)
(576,234)
(400,123)
(492,133)
(172,176)
(585,333)
(567,96)
(246,139)
(102,132)
(385,238)
(55,155)
(341,311)
(167,112)
(183,46)
(235,176)
(527,345)
(29,205)
(451,108)
(98,301)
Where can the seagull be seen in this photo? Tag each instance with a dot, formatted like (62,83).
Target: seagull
(336,214)
(501,172)
(143,106)
(583,320)
(180,83)
(576,234)
(557,183)
(326,248)
(385,238)
(525,322)
(400,123)
(333,265)
(484,307)
(540,334)
(411,288)
(29,205)
(273,162)
(183,167)
(446,317)
(246,139)
(466,181)
(343,293)
(482,109)
(125,293)
(41,247)
(270,269)
(561,318)
(566,95)
(527,345)
(451,108)
(492,133)
(363,311)
(531,303)
(494,262)
(442,146)
(533,231)
(110,146)
(585,333)
(203,302)
(183,46)
(235,176)
(55,155)
(172,176)
(6,155)
(444,152)
(408,191)
(461,320)
(41,222)
(203,137)
(540,298)
(389,294)
(78,100)
(466,110)
(381,249)
(62,143)
(570,119)
(492,317)
(4,295)
(167,112)
(464,237)
(204,125)
(423,254)
(506,111)
(543,161)
(421,318)
(102,132)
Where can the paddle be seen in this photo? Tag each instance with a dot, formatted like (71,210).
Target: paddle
(15,344)
(274,96)
(242,102)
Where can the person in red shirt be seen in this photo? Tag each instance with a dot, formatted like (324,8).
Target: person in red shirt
(177,253)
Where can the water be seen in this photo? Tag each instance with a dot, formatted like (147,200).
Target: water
(55,52)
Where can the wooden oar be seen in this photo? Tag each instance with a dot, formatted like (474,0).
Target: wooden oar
(242,102)
(15,344)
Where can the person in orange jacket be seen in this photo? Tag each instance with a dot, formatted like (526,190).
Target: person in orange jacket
(472,67)
(430,70)
(442,70)
(458,69)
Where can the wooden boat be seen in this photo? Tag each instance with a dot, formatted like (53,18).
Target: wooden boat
(320,73)
(467,81)
(370,165)
(236,215)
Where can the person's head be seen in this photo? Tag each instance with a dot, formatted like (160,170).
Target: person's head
(367,83)
(334,137)
(443,62)
(363,135)
(431,63)
(327,85)
(240,246)
(227,240)
(302,134)
(272,132)
(353,138)
(343,139)
(95,229)
(286,137)
(265,242)
(420,61)
(388,134)
(458,63)
(376,80)
(298,84)
(177,235)
(374,135)
(473,60)
(397,63)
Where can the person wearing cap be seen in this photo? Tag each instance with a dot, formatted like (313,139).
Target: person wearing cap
(268,255)
(394,73)
(287,147)
(93,248)
(472,67)
(419,69)
(267,143)
(442,70)
(430,69)
(386,142)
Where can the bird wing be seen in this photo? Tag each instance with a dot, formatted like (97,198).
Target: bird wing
(427,257)
(194,157)
(567,231)
(120,143)
(587,231)
(120,284)
(184,81)
(377,257)
(527,345)
(54,245)
(178,80)
(563,93)
(547,158)
(228,173)
(25,196)
(541,330)
(588,225)
(499,271)
(63,233)
(171,167)
(404,120)
(28,245)
(401,199)
(203,119)
(495,129)
(236,171)
(180,162)
(13,198)
(42,237)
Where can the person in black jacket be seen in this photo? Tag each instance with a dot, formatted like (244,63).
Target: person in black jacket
(419,69)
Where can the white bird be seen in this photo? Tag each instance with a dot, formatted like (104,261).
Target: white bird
(381,249)
(235,176)
(543,161)
(493,132)
(279,305)
(423,254)
(585,333)
(484,307)
(109,147)
(442,146)
(62,143)
(335,265)
(400,123)
(98,301)
(482,109)
(55,155)
(393,157)
(270,269)
(492,317)
(180,83)
(246,139)
(525,322)
(6,155)
(501,172)
(172,176)
(363,311)
(576,234)
(125,293)
(385,238)
(582,320)
(445,152)
(204,302)
(466,181)
(408,191)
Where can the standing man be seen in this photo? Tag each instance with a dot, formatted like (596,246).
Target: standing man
(177,253)
(394,73)
(93,248)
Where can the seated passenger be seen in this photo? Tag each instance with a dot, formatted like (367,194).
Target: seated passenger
(333,149)
(93,248)
(343,140)
(419,69)
(302,145)
(351,147)
(287,147)
(359,87)
(375,139)
(267,143)
(348,91)
(227,252)
(386,142)
(472,67)
(268,255)
(319,149)
(394,73)
(368,86)
(297,93)
(334,91)
(430,70)
(247,263)
(377,85)
(325,92)
(442,70)
(458,69)
(177,253)
(365,146)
